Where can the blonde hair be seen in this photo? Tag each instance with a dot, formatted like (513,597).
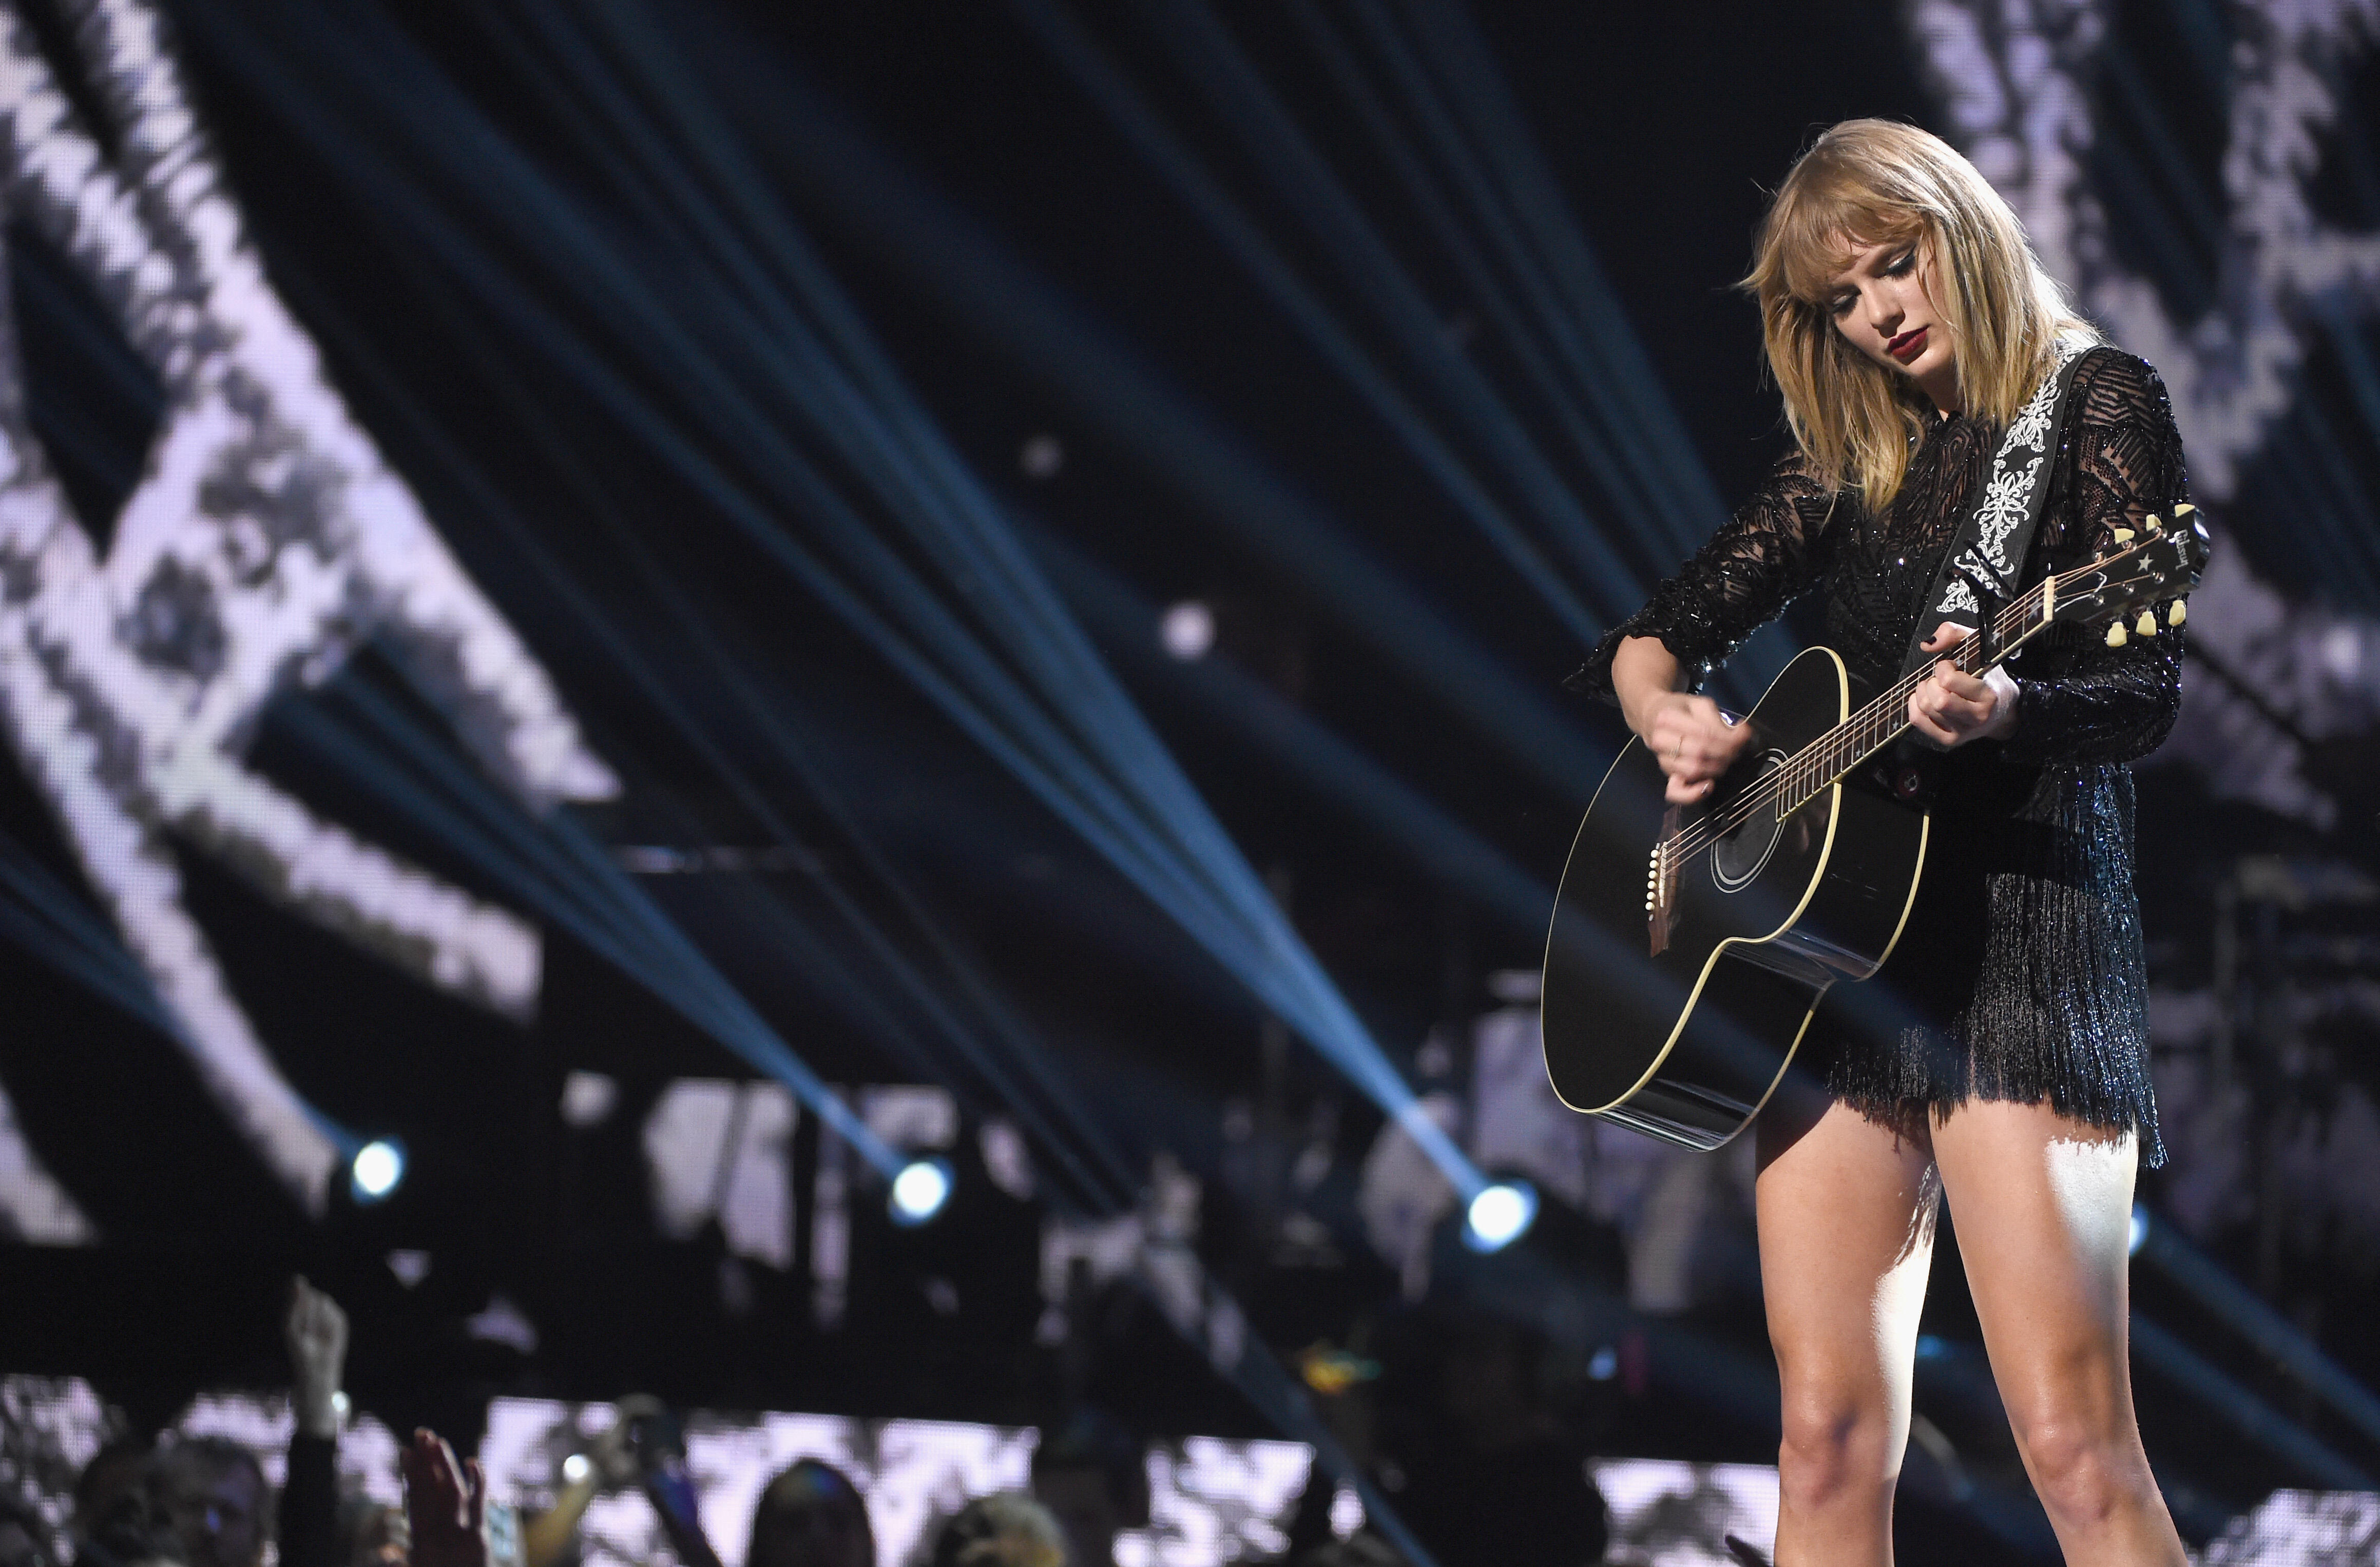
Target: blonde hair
(1875,182)
(1005,1529)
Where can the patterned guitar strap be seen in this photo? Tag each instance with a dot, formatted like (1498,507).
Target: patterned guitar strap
(1979,571)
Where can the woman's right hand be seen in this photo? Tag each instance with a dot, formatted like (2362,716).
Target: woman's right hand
(1693,741)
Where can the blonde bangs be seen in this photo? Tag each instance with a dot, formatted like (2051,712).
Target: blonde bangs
(1873,182)
(1827,228)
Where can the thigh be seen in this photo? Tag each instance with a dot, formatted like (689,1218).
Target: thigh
(2043,1206)
(1846,1210)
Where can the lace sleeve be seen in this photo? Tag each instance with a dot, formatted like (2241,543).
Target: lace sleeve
(2081,702)
(1763,559)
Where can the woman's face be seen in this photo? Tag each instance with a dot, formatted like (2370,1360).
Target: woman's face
(1882,302)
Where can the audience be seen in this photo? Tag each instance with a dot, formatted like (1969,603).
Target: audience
(315,1333)
(1001,1530)
(446,1504)
(810,1516)
(369,1534)
(212,1495)
(1465,1451)
(112,1525)
(550,1537)
(1471,1456)
(1093,1477)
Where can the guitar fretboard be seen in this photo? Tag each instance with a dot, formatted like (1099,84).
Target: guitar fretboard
(1817,765)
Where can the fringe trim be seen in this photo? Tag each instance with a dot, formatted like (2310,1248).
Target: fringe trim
(2059,1010)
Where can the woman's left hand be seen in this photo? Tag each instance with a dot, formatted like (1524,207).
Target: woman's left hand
(1951,708)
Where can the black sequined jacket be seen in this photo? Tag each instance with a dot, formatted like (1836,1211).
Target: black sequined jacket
(2020,975)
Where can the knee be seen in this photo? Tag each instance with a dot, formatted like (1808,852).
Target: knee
(1835,1452)
(2083,1475)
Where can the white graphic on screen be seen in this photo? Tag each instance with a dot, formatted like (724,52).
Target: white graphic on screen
(2013,77)
(267,542)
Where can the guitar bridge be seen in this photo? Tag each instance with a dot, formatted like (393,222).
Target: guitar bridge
(1661,884)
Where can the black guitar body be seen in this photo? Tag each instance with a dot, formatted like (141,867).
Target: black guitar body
(1679,1020)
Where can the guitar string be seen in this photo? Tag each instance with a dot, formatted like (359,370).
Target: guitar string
(1843,747)
(2018,617)
(1823,758)
(1799,765)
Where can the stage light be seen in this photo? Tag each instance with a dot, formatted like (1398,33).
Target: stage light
(575,1468)
(1041,456)
(1188,630)
(378,1169)
(919,1191)
(1499,1215)
(2139,1236)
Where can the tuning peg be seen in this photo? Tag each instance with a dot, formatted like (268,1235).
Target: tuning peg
(2182,510)
(2179,613)
(2116,634)
(2147,624)
(2152,524)
(2123,535)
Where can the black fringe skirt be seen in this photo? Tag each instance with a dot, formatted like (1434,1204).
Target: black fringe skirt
(2020,975)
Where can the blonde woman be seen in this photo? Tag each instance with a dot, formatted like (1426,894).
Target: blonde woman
(1906,322)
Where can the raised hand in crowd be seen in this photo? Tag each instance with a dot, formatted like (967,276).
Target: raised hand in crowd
(612,1465)
(446,1504)
(316,1332)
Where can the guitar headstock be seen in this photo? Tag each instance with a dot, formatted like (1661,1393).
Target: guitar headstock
(2160,564)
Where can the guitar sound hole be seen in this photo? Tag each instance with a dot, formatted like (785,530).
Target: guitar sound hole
(1740,854)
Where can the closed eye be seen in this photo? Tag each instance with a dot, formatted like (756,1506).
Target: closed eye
(1901,265)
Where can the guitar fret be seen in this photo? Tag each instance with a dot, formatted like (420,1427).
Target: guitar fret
(1826,758)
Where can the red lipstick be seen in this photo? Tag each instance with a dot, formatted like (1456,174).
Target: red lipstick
(1908,345)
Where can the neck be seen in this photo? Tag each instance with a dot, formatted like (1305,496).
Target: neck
(1885,720)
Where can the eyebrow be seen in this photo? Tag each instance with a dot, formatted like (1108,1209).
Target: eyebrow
(1887,253)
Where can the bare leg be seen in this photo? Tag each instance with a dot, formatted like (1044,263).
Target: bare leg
(2043,1206)
(1846,1213)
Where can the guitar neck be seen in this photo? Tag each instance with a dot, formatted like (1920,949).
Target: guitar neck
(1824,760)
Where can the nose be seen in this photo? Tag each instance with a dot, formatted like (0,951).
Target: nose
(1884,311)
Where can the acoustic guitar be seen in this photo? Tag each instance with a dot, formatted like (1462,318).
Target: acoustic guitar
(1691,945)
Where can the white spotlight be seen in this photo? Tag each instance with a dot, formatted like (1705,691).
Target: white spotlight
(1499,1215)
(575,1468)
(919,1191)
(379,1166)
(2139,1236)
(1188,630)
